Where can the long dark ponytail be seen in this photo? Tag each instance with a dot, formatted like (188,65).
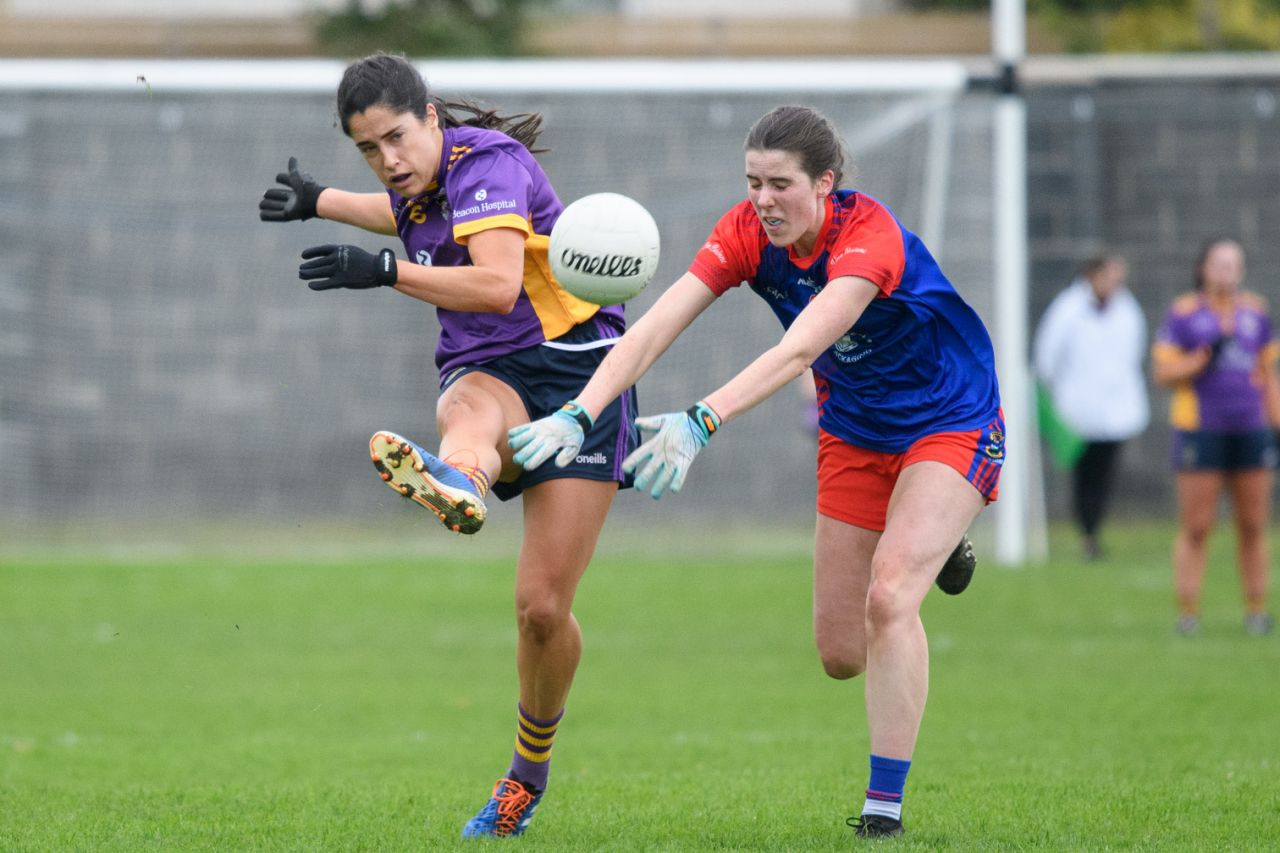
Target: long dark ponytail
(390,80)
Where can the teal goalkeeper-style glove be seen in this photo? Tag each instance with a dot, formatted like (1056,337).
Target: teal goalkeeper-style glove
(661,463)
(562,431)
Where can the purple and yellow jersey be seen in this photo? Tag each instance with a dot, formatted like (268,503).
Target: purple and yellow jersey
(489,180)
(1229,395)
(917,362)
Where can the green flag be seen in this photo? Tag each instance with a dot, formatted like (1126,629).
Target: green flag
(1065,445)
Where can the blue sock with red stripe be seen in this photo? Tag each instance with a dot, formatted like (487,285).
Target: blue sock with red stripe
(884,791)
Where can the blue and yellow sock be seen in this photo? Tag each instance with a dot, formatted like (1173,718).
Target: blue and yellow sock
(884,791)
(531,762)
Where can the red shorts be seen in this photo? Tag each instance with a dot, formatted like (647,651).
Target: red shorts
(854,484)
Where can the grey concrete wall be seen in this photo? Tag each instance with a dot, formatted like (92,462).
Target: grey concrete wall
(158,356)
(1151,168)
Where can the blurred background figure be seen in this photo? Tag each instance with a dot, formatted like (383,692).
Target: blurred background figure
(1089,349)
(1217,351)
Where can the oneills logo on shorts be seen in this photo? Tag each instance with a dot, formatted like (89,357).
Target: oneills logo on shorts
(593,459)
(610,266)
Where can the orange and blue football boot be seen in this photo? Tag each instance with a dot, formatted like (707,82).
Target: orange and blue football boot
(507,814)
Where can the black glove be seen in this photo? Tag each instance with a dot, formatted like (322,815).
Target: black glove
(331,266)
(297,202)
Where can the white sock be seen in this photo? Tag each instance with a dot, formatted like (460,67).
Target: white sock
(883,808)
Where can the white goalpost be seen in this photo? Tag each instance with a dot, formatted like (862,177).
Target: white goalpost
(1014,528)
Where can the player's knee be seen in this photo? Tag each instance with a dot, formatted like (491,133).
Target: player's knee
(458,408)
(539,618)
(843,666)
(841,657)
(1197,534)
(886,604)
(1251,530)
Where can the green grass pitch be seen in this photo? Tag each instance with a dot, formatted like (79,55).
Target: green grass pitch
(368,704)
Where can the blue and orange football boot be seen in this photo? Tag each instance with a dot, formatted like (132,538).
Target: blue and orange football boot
(507,814)
(426,480)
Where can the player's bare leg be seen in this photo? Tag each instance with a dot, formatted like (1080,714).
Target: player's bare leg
(1251,497)
(1198,493)
(841,572)
(473,415)
(931,507)
(562,523)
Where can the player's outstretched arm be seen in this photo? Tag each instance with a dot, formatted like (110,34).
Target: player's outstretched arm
(561,434)
(827,317)
(299,198)
(650,336)
(662,463)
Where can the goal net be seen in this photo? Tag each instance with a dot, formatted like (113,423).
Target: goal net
(161,365)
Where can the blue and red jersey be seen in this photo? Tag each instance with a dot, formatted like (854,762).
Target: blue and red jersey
(489,180)
(1229,395)
(917,362)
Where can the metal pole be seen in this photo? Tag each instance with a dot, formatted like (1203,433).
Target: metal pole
(1010,152)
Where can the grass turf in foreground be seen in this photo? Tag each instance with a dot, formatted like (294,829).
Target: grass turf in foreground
(346,704)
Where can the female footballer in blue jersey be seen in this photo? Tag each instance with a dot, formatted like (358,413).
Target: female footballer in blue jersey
(911,434)
(474,211)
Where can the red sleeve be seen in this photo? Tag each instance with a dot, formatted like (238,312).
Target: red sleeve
(731,254)
(869,245)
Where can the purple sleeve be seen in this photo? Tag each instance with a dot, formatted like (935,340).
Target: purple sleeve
(488,189)
(1175,330)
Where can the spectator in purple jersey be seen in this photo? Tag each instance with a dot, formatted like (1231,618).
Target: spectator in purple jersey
(474,211)
(911,436)
(1217,352)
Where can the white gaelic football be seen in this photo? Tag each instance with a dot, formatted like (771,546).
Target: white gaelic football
(604,248)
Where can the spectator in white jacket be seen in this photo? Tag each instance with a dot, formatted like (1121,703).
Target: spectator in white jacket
(1089,349)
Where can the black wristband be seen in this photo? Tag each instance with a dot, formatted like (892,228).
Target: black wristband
(386,274)
(705,417)
(574,410)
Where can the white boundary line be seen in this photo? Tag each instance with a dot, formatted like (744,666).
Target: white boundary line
(164,76)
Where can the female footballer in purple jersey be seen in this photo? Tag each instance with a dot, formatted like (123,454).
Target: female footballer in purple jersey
(474,211)
(1217,351)
(911,435)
